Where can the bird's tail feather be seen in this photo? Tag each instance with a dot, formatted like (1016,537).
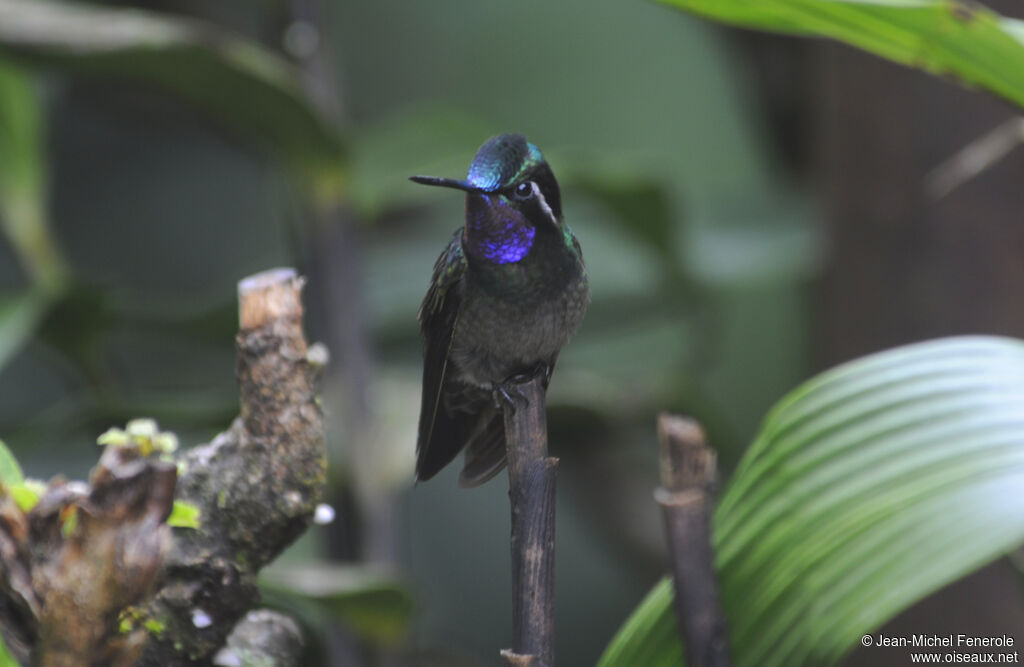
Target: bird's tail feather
(485,456)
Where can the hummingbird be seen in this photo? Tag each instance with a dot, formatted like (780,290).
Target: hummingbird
(507,293)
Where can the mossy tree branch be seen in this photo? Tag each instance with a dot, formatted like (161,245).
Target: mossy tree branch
(82,554)
(91,574)
(256,485)
(263,637)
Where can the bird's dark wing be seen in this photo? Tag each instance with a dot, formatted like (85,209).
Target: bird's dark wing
(442,432)
(485,456)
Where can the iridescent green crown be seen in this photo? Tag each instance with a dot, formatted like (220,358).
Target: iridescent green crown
(502,161)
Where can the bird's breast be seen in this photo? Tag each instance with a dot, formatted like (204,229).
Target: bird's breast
(503,332)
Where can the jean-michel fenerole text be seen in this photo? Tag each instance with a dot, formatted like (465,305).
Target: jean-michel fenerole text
(955,641)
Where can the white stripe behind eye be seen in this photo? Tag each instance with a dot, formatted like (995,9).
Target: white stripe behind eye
(543,202)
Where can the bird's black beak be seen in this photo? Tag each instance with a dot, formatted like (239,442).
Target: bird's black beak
(443,182)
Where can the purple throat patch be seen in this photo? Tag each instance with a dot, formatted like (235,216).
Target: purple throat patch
(509,245)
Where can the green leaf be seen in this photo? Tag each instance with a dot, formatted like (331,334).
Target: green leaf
(10,471)
(955,38)
(23,212)
(21,166)
(649,636)
(868,487)
(27,493)
(20,317)
(6,659)
(114,437)
(246,87)
(142,433)
(184,515)
(23,180)
(376,605)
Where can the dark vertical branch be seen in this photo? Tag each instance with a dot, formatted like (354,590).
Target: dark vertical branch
(688,468)
(335,253)
(531,475)
(333,249)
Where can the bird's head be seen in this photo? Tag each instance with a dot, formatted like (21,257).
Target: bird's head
(511,192)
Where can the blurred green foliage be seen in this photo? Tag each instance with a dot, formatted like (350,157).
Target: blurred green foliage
(6,659)
(238,83)
(927,431)
(10,471)
(964,40)
(23,218)
(23,180)
(867,488)
(375,604)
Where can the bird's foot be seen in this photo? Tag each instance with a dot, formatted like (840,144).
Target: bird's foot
(506,394)
(544,369)
(540,369)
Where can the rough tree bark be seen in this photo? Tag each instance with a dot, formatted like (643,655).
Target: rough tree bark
(256,485)
(81,555)
(80,573)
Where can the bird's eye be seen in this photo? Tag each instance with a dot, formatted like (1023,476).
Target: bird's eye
(524,190)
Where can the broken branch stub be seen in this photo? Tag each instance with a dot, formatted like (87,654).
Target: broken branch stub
(80,572)
(688,469)
(256,485)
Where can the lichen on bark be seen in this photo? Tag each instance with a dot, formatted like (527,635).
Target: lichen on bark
(256,484)
(93,575)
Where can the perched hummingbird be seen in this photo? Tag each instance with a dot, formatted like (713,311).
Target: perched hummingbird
(507,293)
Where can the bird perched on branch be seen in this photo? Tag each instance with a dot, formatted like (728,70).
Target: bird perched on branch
(506,294)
